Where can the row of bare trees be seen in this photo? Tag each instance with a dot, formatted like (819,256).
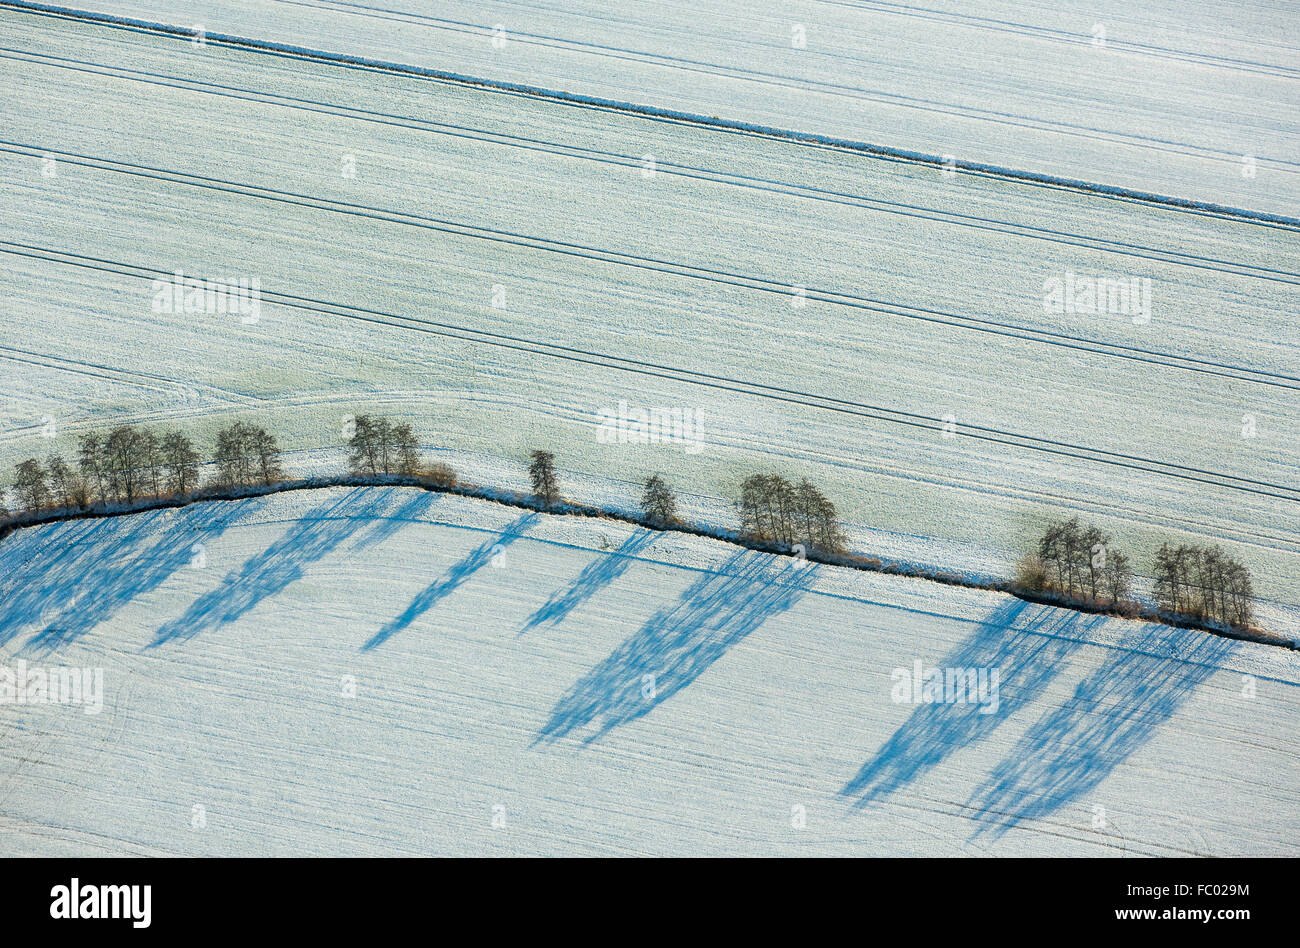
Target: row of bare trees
(123,465)
(131,462)
(774,509)
(378,446)
(1081,563)
(1204,583)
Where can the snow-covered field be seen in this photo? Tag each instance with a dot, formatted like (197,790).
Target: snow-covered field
(498,213)
(1181,97)
(377,671)
(382,670)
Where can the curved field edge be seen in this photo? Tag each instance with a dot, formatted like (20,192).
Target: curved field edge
(862,561)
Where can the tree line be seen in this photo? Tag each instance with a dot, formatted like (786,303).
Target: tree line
(1078,561)
(1081,563)
(771,508)
(133,462)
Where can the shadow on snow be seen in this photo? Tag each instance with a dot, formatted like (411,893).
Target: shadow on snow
(676,645)
(1112,713)
(386,526)
(596,575)
(453,578)
(1027,659)
(269,572)
(89,569)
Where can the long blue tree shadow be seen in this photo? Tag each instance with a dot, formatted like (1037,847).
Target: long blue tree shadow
(384,527)
(46,568)
(435,592)
(1113,712)
(1028,645)
(267,573)
(107,565)
(676,645)
(595,576)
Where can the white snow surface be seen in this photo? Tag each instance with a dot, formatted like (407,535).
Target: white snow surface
(1181,97)
(500,660)
(228,164)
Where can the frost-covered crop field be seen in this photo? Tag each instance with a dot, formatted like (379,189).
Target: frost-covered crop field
(379,671)
(1171,96)
(835,234)
(384,209)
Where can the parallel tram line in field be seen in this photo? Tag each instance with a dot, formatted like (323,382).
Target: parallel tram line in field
(988,24)
(783,188)
(689,271)
(821,86)
(993,25)
(704,379)
(661,115)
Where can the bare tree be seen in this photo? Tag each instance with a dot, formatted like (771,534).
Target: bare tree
(440,475)
(30,483)
(91,463)
(365,457)
(1093,553)
(232,456)
(817,520)
(658,501)
(380,447)
(151,461)
(66,485)
(1166,579)
(180,463)
(1240,593)
(406,450)
(771,508)
(1066,555)
(541,469)
(267,452)
(752,508)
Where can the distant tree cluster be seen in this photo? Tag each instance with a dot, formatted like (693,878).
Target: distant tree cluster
(246,455)
(1082,562)
(773,508)
(131,463)
(1203,582)
(126,464)
(380,447)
